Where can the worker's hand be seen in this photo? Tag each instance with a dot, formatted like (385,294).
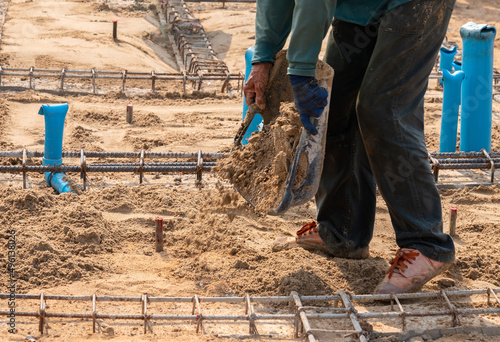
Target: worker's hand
(256,85)
(310,99)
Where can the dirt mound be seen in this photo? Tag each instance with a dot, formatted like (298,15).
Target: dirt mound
(223,247)
(147,120)
(93,117)
(57,236)
(4,145)
(82,137)
(480,262)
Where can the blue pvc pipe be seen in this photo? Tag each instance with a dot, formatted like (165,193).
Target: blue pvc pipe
(457,65)
(452,84)
(447,55)
(54,126)
(446,59)
(477,87)
(256,123)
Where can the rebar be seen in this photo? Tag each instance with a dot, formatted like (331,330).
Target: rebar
(465,160)
(154,77)
(198,167)
(448,161)
(300,318)
(90,154)
(191,42)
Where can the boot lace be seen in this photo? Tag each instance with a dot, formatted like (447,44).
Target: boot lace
(400,261)
(307,228)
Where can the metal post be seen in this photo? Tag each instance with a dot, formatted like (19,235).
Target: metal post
(115,29)
(159,234)
(453,221)
(130,111)
(24,167)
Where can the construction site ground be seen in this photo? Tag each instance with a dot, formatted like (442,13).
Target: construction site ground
(102,241)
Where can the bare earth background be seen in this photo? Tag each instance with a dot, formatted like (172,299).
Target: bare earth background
(102,240)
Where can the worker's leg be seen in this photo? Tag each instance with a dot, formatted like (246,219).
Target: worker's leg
(346,196)
(391,119)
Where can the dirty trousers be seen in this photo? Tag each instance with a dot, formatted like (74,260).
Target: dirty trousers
(376,132)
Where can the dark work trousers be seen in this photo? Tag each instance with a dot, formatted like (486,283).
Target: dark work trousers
(376,132)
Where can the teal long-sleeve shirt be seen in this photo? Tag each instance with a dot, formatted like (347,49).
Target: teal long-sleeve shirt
(307,22)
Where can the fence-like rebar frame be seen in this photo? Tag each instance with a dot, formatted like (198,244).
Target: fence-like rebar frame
(204,162)
(465,160)
(197,167)
(32,73)
(191,41)
(301,316)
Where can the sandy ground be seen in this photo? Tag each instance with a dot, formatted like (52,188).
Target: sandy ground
(215,245)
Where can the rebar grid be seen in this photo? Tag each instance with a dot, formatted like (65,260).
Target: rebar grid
(197,167)
(465,160)
(458,160)
(191,41)
(33,73)
(301,316)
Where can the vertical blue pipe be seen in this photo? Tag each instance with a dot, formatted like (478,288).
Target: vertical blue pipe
(257,120)
(54,126)
(447,55)
(446,59)
(477,88)
(457,65)
(452,84)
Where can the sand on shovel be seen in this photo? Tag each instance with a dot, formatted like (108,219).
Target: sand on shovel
(259,169)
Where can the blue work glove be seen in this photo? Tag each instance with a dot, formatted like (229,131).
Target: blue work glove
(310,99)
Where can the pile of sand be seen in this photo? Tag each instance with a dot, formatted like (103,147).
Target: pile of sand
(215,239)
(56,236)
(3,117)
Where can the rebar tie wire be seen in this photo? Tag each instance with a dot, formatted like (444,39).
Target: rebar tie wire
(301,318)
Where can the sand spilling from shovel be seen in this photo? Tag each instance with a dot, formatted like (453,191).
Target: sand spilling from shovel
(259,169)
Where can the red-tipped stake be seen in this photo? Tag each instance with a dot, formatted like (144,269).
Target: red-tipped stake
(115,29)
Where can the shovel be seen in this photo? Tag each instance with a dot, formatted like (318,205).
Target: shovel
(311,147)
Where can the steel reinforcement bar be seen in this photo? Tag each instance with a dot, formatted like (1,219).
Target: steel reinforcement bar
(439,161)
(465,160)
(62,74)
(191,41)
(141,167)
(301,316)
(78,154)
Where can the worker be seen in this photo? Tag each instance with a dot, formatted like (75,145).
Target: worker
(382,52)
